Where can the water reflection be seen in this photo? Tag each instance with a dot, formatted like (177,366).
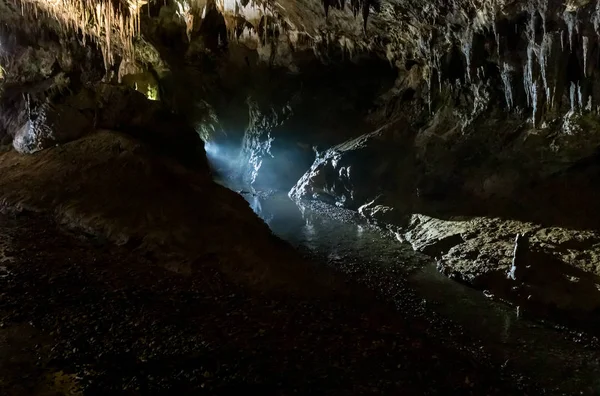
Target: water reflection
(355,247)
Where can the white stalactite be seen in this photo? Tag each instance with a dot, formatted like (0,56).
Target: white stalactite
(544,53)
(528,82)
(497,35)
(586,43)
(506,75)
(467,48)
(572,26)
(572,96)
(596,18)
(105,25)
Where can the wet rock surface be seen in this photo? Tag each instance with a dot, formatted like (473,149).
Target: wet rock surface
(550,271)
(554,269)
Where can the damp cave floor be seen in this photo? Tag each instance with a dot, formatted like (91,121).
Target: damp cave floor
(79,316)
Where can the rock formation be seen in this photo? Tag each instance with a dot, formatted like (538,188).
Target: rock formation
(469,129)
(458,124)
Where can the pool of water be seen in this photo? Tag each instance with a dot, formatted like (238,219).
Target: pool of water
(560,360)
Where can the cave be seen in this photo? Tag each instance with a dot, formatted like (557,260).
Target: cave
(387,197)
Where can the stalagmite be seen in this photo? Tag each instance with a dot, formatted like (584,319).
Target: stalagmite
(534,100)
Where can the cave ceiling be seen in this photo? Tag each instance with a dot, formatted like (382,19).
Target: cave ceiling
(395,28)
(511,32)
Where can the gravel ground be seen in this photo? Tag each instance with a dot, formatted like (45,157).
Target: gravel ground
(81,316)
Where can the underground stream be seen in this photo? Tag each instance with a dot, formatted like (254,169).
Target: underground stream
(563,360)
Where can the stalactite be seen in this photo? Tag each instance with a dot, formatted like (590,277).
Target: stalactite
(467,48)
(497,37)
(184,12)
(543,10)
(427,77)
(572,26)
(586,43)
(99,21)
(357,6)
(506,74)
(438,65)
(528,82)
(544,52)
(572,96)
(528,79)
(481,73)
(596,18)
(534,100)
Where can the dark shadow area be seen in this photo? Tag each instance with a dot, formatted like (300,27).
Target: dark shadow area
(568,199)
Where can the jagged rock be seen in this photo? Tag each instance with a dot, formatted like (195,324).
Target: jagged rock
(53,124)
(378,212)
(358,171)
(266,160)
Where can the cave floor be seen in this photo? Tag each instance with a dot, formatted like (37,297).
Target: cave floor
(81,316)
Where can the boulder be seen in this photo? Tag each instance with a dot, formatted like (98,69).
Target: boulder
(384,211)
(358,171)
(123,109)
(53,124)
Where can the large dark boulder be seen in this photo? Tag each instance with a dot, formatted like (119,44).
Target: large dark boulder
(123,109)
